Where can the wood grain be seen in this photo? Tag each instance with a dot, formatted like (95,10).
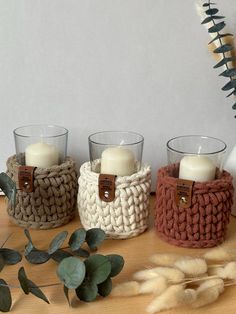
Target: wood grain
(135,251)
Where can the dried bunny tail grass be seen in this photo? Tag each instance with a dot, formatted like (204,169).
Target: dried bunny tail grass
(189,296)
(205,297)
(208,292)
(193,266)
(216,282)
(216,271)
(155,285)
(220,254)
(164,259)
(145,274)
(126,289)
(174,275)
(228,272)
(169,299)
(199,280)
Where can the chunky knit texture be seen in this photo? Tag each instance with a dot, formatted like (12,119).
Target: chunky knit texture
(53,202)
(204,223)
(127,215)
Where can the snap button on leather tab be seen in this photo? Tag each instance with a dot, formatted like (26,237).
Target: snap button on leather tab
(183,193)
(106,187)
(26,178)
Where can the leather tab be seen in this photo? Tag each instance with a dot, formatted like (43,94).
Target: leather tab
(106,187)
(183,193)
(26,178)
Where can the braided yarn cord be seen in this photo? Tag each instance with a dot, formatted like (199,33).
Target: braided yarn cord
(204,223)
(53,201)
(127,215)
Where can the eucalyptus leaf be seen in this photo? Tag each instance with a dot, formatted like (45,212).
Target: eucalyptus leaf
(223,48)
(117,264)
(23,280)
(104,288)
(57,242)
(212,11)
(66,293)
(81,252)
(211,18)
(28,248)
(27,234)
(217,17)
(207,4)
(71,272)
(60,254)
(224,61)
(234,106)
(37,257)
(229,72)
(98,268)
(232,93)
(231,84)
(87,291)
(207,20)
(5,297)
(77,239)
(8,187)
(216,28)
(218,36)
(11,257)
(2,262)
(94,237)
(36,291)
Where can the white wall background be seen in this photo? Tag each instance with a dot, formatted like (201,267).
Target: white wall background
(93,65)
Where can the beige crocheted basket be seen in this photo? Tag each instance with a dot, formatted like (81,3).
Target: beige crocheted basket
(53,201)
(127,215)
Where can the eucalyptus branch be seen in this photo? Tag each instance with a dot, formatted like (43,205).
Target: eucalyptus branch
(223,49)
(220,40)
(39,286)
(9,286)
(88,277)
(6,240)
(49,285)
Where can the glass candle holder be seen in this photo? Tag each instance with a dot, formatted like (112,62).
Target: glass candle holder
(200,157)
(41,145)
(114,152)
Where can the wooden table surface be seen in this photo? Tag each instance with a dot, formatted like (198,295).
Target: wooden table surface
(135,251)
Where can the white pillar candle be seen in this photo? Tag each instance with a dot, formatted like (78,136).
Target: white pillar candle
(41,155)
(197,168)
(117,161)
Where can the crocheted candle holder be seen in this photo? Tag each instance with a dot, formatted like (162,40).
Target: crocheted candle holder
(53,200)
(124,217)
(203,223)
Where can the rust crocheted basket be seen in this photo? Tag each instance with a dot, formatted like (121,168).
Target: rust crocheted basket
(204,223)
(53,201)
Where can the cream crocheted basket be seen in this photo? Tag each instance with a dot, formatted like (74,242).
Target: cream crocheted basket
(127,215)
(53,201)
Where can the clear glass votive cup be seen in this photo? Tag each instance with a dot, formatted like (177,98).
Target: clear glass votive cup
(41,145)
(200,157)
(116,152)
